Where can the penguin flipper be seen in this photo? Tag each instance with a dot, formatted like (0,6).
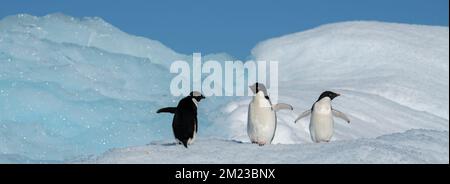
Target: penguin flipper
(341,115)
(304,114)
(280,106)
(167,110)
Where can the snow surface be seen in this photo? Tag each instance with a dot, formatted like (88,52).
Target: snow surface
(413,146)
(71,89)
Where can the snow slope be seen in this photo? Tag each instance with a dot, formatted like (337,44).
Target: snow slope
(71,89)
(392,77)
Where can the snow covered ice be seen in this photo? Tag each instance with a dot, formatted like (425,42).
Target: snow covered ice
(407,147)
(80,90)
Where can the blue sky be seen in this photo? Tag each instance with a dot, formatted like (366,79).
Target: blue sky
(232,26)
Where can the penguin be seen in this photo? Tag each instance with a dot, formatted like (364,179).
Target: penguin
(185,123)
(321,126)
(262,119)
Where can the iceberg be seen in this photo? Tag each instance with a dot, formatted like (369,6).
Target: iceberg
(73,88)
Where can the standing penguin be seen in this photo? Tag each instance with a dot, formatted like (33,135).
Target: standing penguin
(321,124)
(185,124)
(262,118)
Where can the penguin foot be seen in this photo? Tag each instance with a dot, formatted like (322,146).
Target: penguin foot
(259,143)
(324,141)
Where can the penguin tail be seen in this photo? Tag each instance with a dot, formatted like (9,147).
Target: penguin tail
(167,110)
(185,143)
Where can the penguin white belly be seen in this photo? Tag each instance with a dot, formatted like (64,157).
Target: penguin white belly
(191,140)
(261,122)
(321,125)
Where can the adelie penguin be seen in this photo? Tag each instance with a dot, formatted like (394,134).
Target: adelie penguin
(262,118)
(321,126)
(185,123)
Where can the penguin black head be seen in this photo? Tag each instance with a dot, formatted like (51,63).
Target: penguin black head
(329,94)
(196,95)
(259,87)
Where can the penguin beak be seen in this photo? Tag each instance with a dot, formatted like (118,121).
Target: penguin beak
(202,97)
(253,88)
(337,94)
